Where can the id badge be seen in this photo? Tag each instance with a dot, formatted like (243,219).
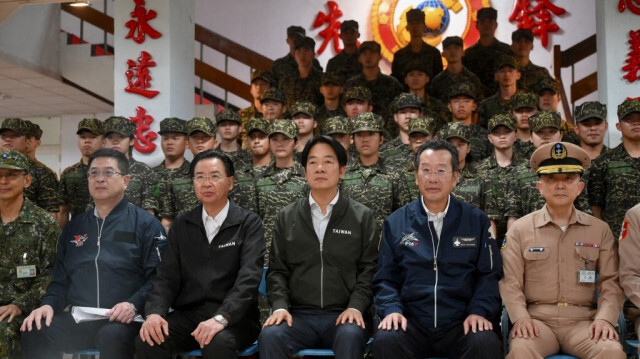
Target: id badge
(586,276)
(26,271)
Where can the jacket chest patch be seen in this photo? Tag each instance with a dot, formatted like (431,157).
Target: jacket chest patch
(341,231)
(464,242)
(229,244)
(410,240)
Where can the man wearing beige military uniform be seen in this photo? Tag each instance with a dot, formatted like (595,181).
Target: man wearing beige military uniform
(629,250)
(555,260)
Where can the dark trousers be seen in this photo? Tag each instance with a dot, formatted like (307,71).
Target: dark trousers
(225,344)
(312,329)
(114,340)
(451,342)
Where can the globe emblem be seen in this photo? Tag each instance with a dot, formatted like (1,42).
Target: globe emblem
(436,17)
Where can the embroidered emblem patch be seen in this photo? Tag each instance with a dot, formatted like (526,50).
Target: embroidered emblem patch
(410,240)
(624,231)
(79,240)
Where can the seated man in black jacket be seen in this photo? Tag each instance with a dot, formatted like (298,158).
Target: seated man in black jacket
(209,274)
(106,258)
(321,263)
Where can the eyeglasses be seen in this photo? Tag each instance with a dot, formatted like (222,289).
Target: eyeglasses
(200,179)
(12,175)
(105,173)
(437,173)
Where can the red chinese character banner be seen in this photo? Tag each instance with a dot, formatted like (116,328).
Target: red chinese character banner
(143,140)
(138,76)
(139,26)
(332,31)
(632,5)
(632,67)
(537,16)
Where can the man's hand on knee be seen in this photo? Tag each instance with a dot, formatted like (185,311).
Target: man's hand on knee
(9,312)
(393,321)
(601,329)
(278,317)
(476,323)
(206,331)
(45,312)
(154,329)
(524,328)
(351,315)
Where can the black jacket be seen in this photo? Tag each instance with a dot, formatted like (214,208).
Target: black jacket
(221,277)
(335,274)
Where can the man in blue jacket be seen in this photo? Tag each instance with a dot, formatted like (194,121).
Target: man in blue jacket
(105,258)
(436,286)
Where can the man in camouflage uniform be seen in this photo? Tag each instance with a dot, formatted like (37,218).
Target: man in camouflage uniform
(286,66)
(43,190)
(305,83)
(174,167)
(331,89)
(506,75)
(34,139)
(417,49)
(303,114)
(613,177)
(28,236)
(284,181)
(421,130)
(522,195)
(416,78)
(462,103)
(456,72)
(548,90)
(202,135)
(370,181)
(591,127)
(261,81)
(483,57)
(524,105)
(228,123)
(383,88)
(397,151)
(74,185)
(118,135)
(522,44)
(339,128)
(357,100)
(274,104)
(345,64)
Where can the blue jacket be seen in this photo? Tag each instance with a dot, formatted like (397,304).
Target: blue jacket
(468,266)
(117,267)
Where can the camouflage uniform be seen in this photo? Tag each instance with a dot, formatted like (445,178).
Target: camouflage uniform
(241,158)
(523,149)
(440,85)
(345,65)
(482,61)
(297,88)
(472,188)
(435,109)
(170,183)
(531,73)
(252,112)
(287,65)
(396,152)
(322,113)
(28,240)
(428,55)
(495,104)
(480,146)
(524,99)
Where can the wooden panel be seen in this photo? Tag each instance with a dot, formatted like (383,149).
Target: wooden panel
(223,80)
(584,87)
(232,49)
(92,16)
(579,51)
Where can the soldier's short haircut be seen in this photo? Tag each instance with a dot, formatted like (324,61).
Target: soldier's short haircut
(341,154)
(226,161)
(121,159)
(438,145)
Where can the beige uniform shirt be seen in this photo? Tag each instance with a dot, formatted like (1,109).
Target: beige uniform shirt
(629,249)
(542,264)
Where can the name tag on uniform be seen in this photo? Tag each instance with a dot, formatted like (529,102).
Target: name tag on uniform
(586,276)
(464,242)
(26,271)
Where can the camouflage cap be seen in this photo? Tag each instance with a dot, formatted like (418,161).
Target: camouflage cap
(452,40)
(305,42)
(274,94)
(370,45)
(202,124)
(506,60)
(296,30)
(228,115)
(13,160)
(406,100)
(305,107)
(502,119)
(415,15)
(487,13)
(34,130)
(332,78)
(259,124)
(349,25)
(263,75)
(286,127)
(544,119)
(17,125)
(591,109)
(367,121)
(559,157)
(92,125)
(547,83)
(455,129)
(121,125)
(524,99)
(417,65)
(522,34)
(462,88)
(336,124)
(628,106)
(357,93)
(422,124)
(173,124)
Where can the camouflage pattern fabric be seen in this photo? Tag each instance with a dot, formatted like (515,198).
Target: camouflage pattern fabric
(440,86)
(345,65)
(612,182)
(410,180)
(383,90)
(165,195)
(627,107)
(491,106)
(241,158)
(396,154)
(323,114)
(481,148)
(471,188)
(287,66)
(74,189)
(428,55)
(530,75)
(142,190)
(483,60)
(33,234)
(297,89)
(43,191)
(435,109)
(590,109)
(244,188)
(523,149)
(568,134)
(247,114)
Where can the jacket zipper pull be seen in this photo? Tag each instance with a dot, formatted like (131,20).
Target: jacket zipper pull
(435,264)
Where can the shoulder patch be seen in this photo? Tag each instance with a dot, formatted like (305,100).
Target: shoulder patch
(624,231)
(503,245)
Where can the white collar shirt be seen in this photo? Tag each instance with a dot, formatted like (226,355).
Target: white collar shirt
(212,224)
(320,221)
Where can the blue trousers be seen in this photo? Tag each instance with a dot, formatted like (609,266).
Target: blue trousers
(312,329)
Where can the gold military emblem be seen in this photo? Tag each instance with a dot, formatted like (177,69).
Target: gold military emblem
(558,151)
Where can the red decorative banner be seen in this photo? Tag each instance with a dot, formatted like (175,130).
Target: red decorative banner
(139,26)
(332,31)
(632,67)
(138,77)
(143,140)
(538,18)
(632,5)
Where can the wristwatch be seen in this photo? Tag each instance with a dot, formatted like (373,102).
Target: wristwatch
(220,319)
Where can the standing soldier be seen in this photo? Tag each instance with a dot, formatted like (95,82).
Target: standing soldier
(339,128)
(416,78)
(118,135)
(613,177)
(273,104)
(74,186)
(397,150)
(591,126)
(629,249)
(357,100)
(441,84)
(202,135)
(286,66)
(524,105)
(28,236)
(548,90)
(261,81)
(228,123)
(304,84)
(346,64)
(43,190)
(331,89)
(506,75)
(303,114)
(522,44)
(560,264)
(421,130)
(34,139)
